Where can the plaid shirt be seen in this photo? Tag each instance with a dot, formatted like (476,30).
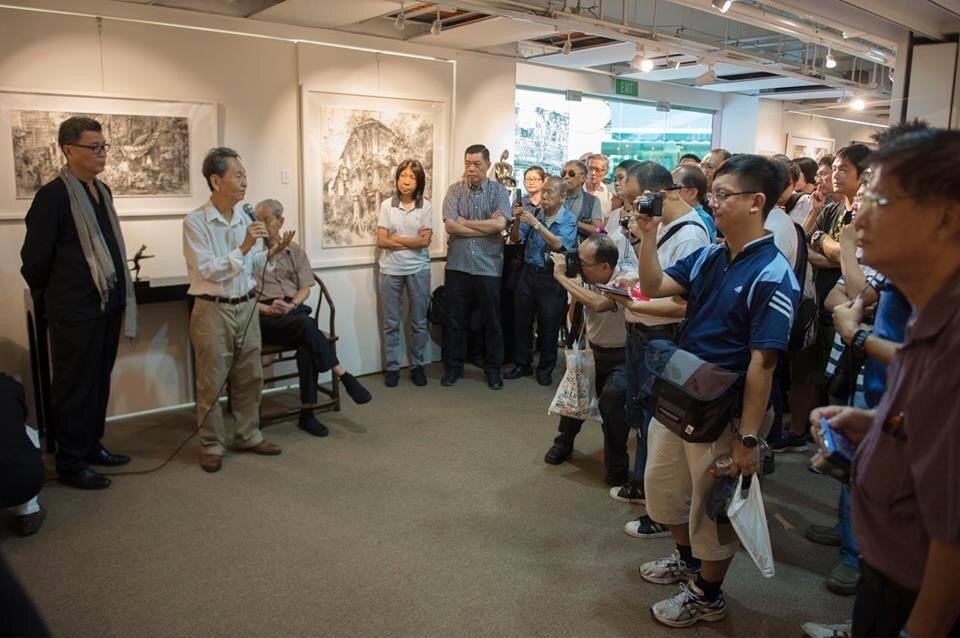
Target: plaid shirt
(476,255)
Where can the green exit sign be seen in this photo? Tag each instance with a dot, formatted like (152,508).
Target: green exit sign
(625,86)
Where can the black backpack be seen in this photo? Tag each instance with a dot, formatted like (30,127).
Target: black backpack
(804,330)
(438,313)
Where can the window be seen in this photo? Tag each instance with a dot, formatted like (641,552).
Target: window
(551,130)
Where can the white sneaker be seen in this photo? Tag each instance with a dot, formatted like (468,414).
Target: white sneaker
(689,607)
(645,527)
(844,630)
(667,571)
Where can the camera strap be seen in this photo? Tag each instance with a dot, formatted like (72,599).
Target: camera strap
(676,229)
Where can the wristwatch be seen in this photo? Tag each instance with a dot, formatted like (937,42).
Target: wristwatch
(750,441)
(816,238)
(859,342)
(537,226)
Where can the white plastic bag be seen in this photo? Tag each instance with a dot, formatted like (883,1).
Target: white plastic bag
(576,396)
(749,520)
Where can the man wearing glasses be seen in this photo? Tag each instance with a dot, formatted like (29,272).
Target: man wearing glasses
(73,258)
(741,298)
(598,166)
(579,202)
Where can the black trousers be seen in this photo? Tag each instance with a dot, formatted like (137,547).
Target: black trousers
(611,397)
(465,292)
(539,297)
(83,354)
(882,608)
(21,467)
(314,353)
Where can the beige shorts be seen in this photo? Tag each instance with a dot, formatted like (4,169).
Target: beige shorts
(677,483)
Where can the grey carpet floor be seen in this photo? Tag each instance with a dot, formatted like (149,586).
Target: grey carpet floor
(427,512)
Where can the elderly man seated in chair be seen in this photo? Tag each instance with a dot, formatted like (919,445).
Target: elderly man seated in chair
(286,321)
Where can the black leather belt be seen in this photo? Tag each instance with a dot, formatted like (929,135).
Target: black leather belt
(605,350)
(233,301)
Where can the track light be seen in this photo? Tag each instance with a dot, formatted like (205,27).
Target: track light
(707,77)
(676,67)
(641,62)
(437,26)
(401,22)
(890,74)
(830,62)
(857,104)
(567,46)
(722,5)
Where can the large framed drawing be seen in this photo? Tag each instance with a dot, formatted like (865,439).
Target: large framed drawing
(807,146)
(352,145)
(153,166)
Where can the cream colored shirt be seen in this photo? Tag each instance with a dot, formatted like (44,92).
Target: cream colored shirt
(211,247)
(604,196)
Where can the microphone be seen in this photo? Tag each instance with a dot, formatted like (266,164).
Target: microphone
(248,209)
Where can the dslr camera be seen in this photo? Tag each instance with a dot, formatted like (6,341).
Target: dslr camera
(650,205)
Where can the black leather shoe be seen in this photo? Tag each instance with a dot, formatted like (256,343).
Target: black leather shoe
(494,381)
(518,371)
(558,454)
(450,377)
(85,478)
(102,457)
(545,379)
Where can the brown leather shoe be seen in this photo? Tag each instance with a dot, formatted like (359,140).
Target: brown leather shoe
(211,462)
(265,448)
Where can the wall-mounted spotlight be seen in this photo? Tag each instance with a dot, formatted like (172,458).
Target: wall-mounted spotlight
(721,5)
(437,26)
(567,46)
(830,62)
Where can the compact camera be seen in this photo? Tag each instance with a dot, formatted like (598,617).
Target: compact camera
(573,263)
(835,455)
(650,205)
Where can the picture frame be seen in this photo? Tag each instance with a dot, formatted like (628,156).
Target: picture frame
(352,144)
(147,151)
(809,146)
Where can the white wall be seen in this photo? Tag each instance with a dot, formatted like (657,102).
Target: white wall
(738,123)
(255,82)
(774,123)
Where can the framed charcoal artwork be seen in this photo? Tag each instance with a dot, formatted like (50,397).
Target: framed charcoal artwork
(352,145)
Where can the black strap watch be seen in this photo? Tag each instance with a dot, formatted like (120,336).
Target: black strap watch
(750,441)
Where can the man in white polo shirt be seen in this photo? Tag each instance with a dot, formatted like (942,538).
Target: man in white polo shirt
(681,233)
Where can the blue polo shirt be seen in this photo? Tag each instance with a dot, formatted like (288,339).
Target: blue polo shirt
(890,322)
(563,226)
(749,304)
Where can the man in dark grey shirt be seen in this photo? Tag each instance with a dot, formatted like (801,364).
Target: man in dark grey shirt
(475,213)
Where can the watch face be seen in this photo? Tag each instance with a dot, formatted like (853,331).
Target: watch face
(750,441)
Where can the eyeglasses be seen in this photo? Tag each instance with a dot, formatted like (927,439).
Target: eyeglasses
(873,199)
(717,199)
(96,149)
(532,179)
(570,173)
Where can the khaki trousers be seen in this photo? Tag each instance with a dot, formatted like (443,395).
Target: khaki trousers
(216,331)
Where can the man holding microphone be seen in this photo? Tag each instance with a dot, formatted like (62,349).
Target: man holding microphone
(223,247)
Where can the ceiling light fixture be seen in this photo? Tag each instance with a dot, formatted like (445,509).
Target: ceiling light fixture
(830,62)
(890,74)
(437,26)
(401,22)
(640,61)
(857,104)
(676,67)
(722,5)
(567,46)
(707,77)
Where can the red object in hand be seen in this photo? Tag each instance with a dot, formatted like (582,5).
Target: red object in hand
(636,294)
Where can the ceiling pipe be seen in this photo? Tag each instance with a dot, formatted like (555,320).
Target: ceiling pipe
(532,13)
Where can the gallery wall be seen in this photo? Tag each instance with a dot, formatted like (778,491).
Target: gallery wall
(774,122)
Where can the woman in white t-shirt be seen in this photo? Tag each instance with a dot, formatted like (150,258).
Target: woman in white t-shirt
(404,232)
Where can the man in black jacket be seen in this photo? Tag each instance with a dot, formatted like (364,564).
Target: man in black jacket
(73,257)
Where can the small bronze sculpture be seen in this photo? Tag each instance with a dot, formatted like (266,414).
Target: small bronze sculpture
(503,171)
(136,263)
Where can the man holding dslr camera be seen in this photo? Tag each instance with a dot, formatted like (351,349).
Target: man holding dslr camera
(904,491)
(595,263)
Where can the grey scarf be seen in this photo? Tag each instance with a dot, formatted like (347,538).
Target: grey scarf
(94,246)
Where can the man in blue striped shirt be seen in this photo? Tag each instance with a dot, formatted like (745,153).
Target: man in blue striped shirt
(475,213)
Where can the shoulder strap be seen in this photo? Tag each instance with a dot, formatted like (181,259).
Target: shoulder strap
(673,231)
(800,267)
(792,202)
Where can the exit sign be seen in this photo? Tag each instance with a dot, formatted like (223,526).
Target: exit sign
(625,86)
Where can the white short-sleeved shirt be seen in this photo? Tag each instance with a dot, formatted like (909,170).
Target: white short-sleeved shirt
(408,223)
(785,238)
(801,209)
(689,239)
(628,258)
